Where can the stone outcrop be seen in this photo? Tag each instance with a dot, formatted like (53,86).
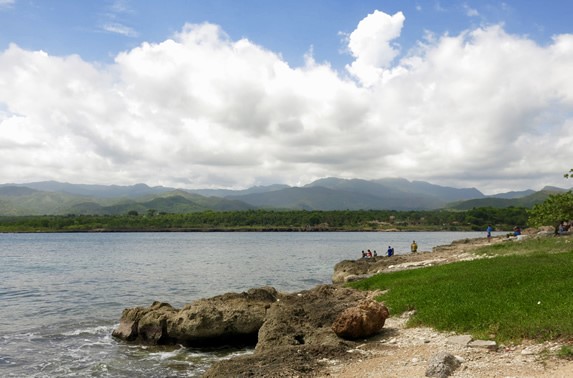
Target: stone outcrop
(361,321)
(292,333)
(225,319)
(297,336)
(306,318)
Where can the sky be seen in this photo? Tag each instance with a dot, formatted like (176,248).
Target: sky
(234,94)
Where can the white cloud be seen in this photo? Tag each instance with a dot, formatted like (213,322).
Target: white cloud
(483,108)
(371,45)
(117,28)
(112,19)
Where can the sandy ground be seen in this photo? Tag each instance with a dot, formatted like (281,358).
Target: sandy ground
(405,352)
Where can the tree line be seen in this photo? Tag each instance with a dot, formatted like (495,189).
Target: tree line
(276,220)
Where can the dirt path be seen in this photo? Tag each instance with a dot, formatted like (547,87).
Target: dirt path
(406,352)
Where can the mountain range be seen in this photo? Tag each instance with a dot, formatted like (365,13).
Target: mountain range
(57,198)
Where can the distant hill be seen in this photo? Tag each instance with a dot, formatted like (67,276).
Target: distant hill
(15,200)
(229,192)
(318,198)
(499,202)
(511,195)
(355,194)
(19,200)
(97,191)
(51,197)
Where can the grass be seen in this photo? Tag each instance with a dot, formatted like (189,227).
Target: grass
(525,292)
(565,352)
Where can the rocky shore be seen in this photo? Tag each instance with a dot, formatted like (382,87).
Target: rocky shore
(334,331)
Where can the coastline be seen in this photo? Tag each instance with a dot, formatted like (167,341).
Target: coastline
(399,351)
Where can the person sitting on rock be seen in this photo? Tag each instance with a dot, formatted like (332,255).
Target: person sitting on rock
(390,251)
(363,254)
(369,253)
(374,253)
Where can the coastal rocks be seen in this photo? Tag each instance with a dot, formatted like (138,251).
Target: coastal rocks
(234,317)
(364,320)
(225,319)
(146,325)
(348,268)
(296,337)
(306,318)
(352,270)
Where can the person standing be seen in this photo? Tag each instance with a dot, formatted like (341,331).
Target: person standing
(489,229)
(390,251)
(414,247)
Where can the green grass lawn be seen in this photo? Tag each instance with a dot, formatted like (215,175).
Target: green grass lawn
(524,292)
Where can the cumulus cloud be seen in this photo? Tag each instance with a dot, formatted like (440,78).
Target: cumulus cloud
(483,108)
(371,45)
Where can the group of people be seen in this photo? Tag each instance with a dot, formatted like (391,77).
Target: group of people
(390,252)
(369,254)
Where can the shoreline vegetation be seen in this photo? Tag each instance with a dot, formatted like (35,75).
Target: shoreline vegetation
(274,221)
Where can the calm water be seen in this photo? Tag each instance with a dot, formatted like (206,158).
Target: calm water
(61,295)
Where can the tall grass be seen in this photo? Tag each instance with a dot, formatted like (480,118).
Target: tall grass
(526,293)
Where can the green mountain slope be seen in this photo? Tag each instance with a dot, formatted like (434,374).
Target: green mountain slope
(527,201)
(15,200)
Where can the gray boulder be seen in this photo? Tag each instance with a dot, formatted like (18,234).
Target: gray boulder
(442,365)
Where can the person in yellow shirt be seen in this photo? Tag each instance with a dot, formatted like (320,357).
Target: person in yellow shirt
(414,247)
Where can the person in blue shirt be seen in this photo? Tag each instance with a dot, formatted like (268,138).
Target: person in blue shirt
(390,251)
(489,229)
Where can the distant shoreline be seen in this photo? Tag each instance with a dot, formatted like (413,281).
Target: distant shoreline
(200,230)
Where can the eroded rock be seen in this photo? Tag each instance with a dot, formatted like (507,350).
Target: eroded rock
(361,321)
(306,318)
(225,319)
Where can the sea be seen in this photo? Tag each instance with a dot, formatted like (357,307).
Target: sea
(62,294)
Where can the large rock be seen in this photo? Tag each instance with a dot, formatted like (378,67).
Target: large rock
(224,319)
(361,321)
(296,338)
(146,325)
(306,318)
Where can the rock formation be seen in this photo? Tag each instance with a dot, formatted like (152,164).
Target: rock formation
(361,321)
(225,319)
(292,333)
